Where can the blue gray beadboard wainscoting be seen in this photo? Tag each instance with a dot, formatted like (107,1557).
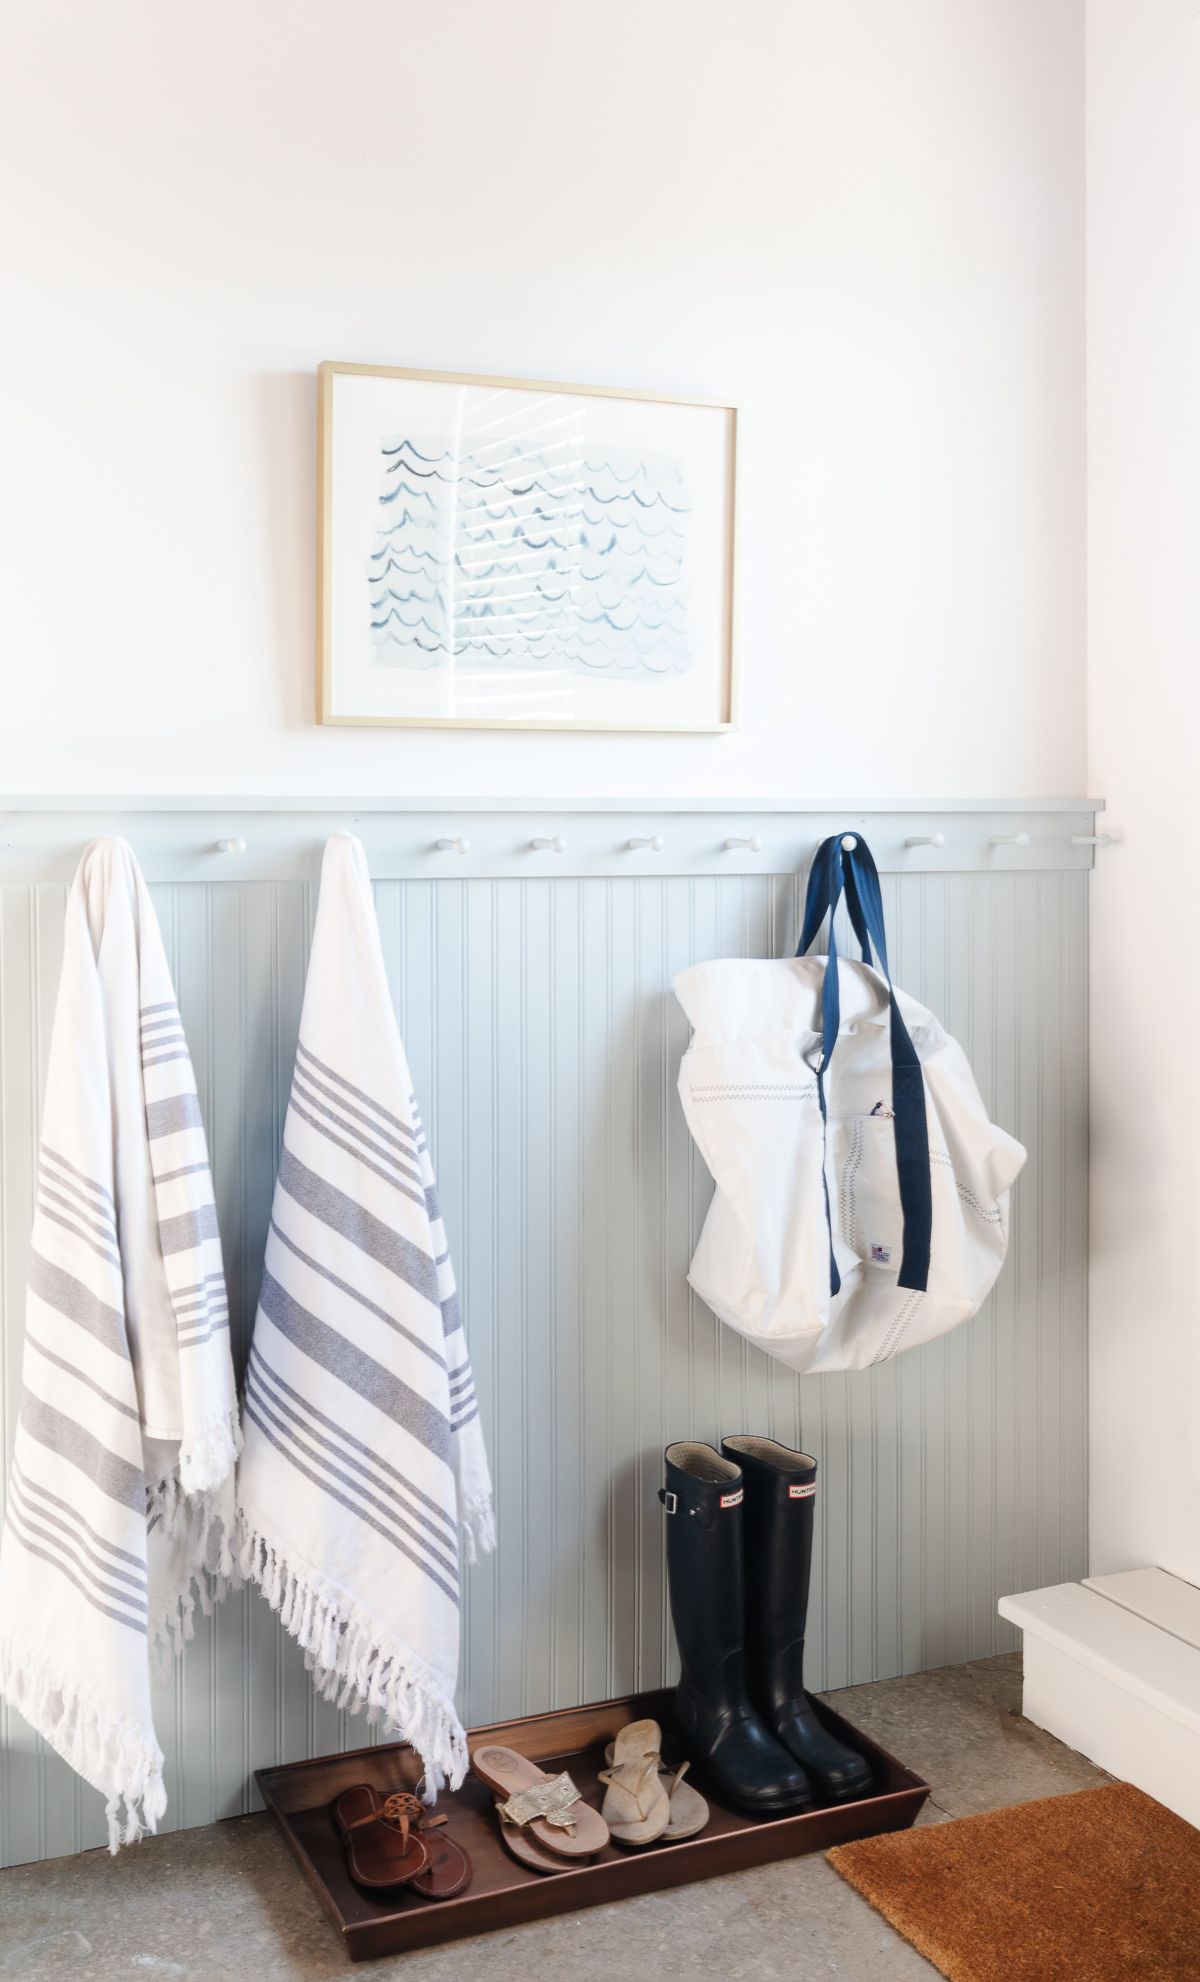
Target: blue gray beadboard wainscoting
(531,952)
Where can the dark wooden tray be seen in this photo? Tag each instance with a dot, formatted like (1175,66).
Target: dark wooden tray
(503,1893)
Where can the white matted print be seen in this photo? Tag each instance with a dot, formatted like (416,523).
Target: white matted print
(511,554)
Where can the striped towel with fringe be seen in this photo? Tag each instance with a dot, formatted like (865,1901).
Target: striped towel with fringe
(119,1515)
(364,1460)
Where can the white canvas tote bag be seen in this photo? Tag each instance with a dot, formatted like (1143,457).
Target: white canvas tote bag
(861,1201)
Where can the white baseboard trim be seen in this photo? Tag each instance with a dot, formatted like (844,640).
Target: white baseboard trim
(1113,1669)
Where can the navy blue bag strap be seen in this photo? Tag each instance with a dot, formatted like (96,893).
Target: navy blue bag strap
(850,869)
(816,904)
(825,884)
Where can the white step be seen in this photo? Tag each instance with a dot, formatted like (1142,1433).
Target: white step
(1113,1669)
(1161,1599)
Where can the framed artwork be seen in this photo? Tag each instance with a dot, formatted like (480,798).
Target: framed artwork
(503,554)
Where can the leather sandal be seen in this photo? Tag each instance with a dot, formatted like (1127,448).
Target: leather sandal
(547,1811)
(636,1807)
(523,1846)
(379,1852)
(448,1871)
(688,1810)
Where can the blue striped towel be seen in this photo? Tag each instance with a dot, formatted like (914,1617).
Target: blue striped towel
(364,1459)
(119,1514)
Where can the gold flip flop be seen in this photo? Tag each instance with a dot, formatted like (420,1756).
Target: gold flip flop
(548,1808)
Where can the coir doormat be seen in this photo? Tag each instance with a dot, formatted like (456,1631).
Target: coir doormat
(1100,1886)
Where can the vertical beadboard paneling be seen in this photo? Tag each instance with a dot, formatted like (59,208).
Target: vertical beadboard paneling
(30,1775)
(544,1042)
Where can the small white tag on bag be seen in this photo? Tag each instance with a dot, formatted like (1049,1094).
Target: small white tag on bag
(812,1249)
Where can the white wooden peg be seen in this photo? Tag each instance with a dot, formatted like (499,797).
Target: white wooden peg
(752,845)
(849,842)
(926,839)
(231,846)
(652,845)
(556,844)
(454,846)
(1095,839)
(1009,839)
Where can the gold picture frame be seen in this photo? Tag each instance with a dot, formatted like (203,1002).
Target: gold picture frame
(643,671)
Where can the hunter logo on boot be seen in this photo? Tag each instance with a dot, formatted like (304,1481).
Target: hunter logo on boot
(732,1499)
(802,1492)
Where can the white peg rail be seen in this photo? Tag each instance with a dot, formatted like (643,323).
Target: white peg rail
(281,839)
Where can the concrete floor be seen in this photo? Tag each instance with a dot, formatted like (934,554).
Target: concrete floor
(227,1904)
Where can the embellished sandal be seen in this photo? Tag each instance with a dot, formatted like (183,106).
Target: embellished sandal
(523,1846)
(379,1851)
(448,1870)
(689,1811)
(636,1807)
(539,1811)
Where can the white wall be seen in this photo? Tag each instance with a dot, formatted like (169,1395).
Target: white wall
(862,222)
(1143,155)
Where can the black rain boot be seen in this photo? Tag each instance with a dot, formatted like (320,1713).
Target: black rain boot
(719,1727)
(780,1488)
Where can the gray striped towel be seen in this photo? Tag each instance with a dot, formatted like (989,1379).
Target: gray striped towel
(119,1515)
(364,1457)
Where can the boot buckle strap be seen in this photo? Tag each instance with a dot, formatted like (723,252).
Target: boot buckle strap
(669,1500)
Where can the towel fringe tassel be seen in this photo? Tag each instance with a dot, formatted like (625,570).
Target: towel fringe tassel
(103,1750)
(209,1455)
(197,1527)
(349,1663)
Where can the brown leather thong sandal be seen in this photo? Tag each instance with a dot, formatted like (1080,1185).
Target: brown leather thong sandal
(546,1812)
(379,1852)
(396,1843)
(448,1871)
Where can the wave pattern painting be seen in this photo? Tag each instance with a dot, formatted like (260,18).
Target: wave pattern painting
(519,557)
